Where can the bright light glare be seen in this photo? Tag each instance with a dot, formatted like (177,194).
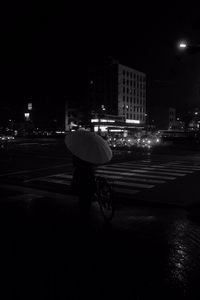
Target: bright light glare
(102,128)
(182,45)
(132,121)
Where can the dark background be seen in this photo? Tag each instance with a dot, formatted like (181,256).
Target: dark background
(47,49)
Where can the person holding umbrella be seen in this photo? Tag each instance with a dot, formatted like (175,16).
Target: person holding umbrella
(88,150)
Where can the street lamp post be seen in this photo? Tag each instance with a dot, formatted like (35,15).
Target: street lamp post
(189,48)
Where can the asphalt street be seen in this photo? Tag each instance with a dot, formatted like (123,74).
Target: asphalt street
(149,250)
(145,252)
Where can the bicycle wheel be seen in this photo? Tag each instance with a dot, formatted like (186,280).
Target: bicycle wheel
(105,198)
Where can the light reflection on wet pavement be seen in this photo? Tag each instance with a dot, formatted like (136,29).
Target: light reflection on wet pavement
(145,253)
(168,247)
(184,255)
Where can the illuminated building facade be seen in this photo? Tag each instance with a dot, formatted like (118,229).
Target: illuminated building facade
(118,90)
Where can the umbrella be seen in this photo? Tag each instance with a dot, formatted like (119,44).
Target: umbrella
(88,146)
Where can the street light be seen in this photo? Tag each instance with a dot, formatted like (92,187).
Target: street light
(190,48)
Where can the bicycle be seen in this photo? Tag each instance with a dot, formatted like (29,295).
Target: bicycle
(105,197)
(102,193)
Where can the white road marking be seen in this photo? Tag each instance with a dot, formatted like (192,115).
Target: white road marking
(133,173)
(146,169)
(125,177)
(71,176)
(160,167)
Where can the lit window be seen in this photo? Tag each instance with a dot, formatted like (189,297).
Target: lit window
(30,106)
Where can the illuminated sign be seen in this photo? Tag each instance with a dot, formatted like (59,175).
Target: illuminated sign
(102,121)
(106,121)
(133,121)
(116,130)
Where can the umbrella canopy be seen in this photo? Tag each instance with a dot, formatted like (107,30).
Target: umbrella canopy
(88,146)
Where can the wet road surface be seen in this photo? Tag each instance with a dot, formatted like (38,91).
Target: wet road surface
(146,252)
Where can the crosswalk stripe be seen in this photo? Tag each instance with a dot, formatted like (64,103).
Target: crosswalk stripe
(116,183)
(133,173)
(163,170)
(143,170)
(160,167)
(71,176)
(135,179)
(131,178)
(179,164)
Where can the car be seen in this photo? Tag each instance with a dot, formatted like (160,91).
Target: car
(6,138)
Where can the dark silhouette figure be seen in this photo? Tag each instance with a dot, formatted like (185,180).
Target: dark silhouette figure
(83,185)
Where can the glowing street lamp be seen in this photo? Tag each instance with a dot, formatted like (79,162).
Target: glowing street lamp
(189,48)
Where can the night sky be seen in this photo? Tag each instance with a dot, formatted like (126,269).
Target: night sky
(47,50)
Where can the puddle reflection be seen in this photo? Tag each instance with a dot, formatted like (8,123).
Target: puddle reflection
(184,253)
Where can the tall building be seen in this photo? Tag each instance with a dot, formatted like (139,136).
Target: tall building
(118,90)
